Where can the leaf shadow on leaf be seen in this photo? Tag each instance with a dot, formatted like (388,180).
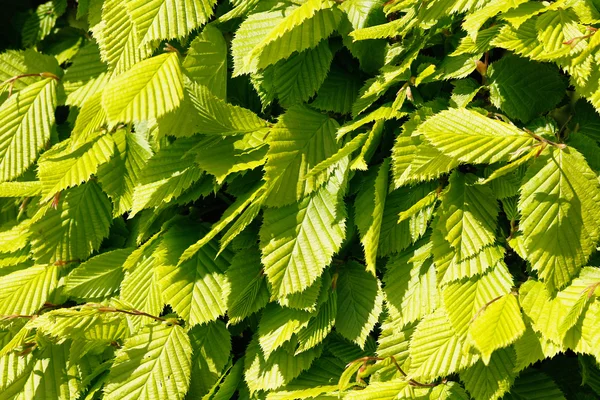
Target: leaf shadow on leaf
(572,220)
(134,360)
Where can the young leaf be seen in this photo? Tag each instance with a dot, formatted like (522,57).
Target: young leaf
(150,89)
(196,288)
(298,241)
(473,138)
(155,363)
(537,89)
(61,167)
(252,51)
(368,212)
(559,215)
(98,277)
(73,230)
(167,19)
(206,61)
(301,140)
(496,326)
(26,290)
(435,350)
(359,303)
(25,122)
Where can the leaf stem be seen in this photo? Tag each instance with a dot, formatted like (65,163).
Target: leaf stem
(12,80)
(411,382)
(131,312)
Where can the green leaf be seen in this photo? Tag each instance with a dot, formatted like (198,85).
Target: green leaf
(435,349)
(350,147)
(18,63)
(150,89)
(222,157)
(39,24)
(359,302)
(140,286)
(211,344)
(537,88)
(379,391)
(544,312)
(464,92)
(590,373)
(577,296)
(368,212)
(383,113)
(281,368)
(299,77)
(554,28)
(317,380)
(307,299)
(410,285)
(338,91)
(492,380)
(394,342)
(396,236)
(468,297)
(249,292)
(278,325)
(85,324)
(196,288)
(118,39)
(165,176)
(467,216)
(534,385)
(448,391)
(26,119)
(206,61)
(168,19)
(298,241)
(155,363)
(61,167)
(321,324)
(301,140)
(559,214)
(75,228)
(98,277)
(232,212)
(531,348)
(84,74)
(480,45)
(90,119)
(47,374)
(119,176)
(496,326)
(369,148)
(21,189)
(474,21)
(473,138)
(258,41)
(231,382)
(416,161)
(215,116)
(25,291)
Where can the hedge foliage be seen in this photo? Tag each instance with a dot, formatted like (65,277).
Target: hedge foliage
(294,199)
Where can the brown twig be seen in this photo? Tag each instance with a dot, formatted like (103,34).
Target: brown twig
(11,81)
(131,312)
(411,382)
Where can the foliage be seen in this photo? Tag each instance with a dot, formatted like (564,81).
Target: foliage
(295,199)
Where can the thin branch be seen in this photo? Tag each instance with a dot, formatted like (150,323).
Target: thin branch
(15,316)
(411,382)
(131,312)
(11,81)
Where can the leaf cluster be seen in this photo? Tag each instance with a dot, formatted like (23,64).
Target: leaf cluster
(300,199)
